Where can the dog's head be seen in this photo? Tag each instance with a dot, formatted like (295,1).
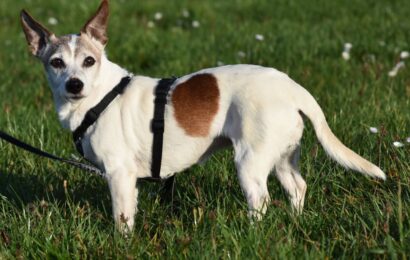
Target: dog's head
(72,62)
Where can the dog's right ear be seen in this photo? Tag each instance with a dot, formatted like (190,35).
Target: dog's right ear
(37,35)
(96,26)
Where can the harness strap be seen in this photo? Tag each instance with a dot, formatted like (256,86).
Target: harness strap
(39,152)
(157,126)
(92,115)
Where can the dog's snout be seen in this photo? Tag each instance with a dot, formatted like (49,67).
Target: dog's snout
(74,86)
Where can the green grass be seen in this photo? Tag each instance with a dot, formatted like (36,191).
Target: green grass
(346,215)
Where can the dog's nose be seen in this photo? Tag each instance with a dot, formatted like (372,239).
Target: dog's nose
(74,86)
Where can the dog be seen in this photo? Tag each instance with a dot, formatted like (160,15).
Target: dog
(256,110)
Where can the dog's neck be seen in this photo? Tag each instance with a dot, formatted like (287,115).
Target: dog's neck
(71,113)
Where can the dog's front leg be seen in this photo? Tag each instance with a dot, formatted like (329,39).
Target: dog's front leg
(124,198)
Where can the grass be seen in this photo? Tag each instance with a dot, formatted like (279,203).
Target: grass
(50,210)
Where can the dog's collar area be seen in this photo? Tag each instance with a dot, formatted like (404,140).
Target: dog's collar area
(92,115)
(157,123)
(157,127)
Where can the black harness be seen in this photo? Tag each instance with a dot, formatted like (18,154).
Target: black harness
(157,127)
(157,124)
(92,115)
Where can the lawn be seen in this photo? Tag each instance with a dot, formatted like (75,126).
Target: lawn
(55,211)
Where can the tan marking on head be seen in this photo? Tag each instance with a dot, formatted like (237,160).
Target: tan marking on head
(196,102)
(86,43)
(57,44)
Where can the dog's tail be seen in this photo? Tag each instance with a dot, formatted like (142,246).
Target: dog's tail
(332,145)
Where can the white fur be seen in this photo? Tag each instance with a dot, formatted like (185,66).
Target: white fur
(258,112)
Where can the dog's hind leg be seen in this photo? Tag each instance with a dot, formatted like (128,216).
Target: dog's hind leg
(124,198)
(287,172)
(253,171)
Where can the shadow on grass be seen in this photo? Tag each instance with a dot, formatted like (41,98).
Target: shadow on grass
(23,189)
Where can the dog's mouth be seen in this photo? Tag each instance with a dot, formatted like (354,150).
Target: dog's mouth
(75,97)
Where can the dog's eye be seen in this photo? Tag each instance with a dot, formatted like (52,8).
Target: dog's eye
(57,63)
(89,61)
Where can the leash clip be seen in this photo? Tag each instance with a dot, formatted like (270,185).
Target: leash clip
(79,146)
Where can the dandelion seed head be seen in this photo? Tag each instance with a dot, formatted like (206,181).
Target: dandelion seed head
(220,63)
(408,139)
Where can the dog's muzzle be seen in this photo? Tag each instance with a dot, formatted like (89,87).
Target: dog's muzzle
(74,86)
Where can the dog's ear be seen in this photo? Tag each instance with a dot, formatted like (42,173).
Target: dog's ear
(36,34)
(96,26)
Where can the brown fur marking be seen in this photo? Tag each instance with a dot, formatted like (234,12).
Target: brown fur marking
(196,102)
(85,43)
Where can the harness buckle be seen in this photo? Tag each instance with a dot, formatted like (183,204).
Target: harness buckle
(161,99)
(157,125)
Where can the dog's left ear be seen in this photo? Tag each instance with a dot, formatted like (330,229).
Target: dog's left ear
(37,35)
(96,26)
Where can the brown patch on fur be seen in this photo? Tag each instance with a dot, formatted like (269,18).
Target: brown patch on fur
(196,102)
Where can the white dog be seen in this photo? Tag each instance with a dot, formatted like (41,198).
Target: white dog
(256,110)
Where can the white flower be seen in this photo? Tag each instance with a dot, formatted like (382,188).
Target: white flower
(150,24)
(346,50)
(195,24)
(396,69)
(404,55)
(393,73)
(398,144)
(52,21)
(374,130)
(185,13)
(158,16)
(348,46)
(241,54)
(259,37)
(408,139)
(346,55)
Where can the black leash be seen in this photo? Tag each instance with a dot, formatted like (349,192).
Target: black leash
(157,127)
(39,152)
